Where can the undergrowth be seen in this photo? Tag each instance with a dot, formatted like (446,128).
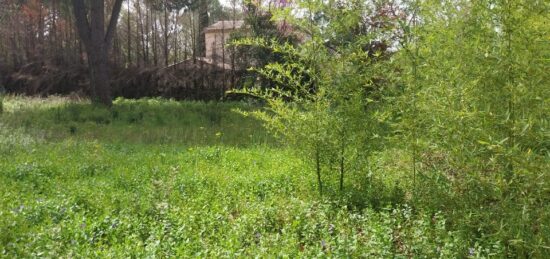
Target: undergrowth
(159,178)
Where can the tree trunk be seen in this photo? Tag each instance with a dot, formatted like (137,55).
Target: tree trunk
(54,50)
(176,37)
(232,46)
(14,51)
(318,170)
(129,36)
(342,159)
(203,23)
(99,77)
(97,43)
(40,53)
(147,36)
(116,51)
(193,36)
(140,23)
(154,38)
(166,53)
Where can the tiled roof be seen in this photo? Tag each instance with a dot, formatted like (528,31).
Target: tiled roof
(225,25)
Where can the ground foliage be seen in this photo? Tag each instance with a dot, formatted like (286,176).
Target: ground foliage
(171,179)
(416,129)
(459,87)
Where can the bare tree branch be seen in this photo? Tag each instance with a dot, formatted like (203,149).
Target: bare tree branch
(112,23)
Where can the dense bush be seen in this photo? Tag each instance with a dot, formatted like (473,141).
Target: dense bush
(328,89)
(460,86)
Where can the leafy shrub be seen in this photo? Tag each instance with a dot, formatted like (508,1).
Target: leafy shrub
(323,103)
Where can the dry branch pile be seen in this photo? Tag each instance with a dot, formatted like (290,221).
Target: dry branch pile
(184,81)
(43,79)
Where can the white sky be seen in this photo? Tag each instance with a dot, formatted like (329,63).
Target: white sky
(227,3)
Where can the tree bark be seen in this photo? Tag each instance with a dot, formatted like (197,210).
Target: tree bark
(147,36)
(154,36)
(166,52)
(203,23)
(144,43)
(129,37)
(40,50)
(54,46)
(97,43)
(193,36)
(176,37)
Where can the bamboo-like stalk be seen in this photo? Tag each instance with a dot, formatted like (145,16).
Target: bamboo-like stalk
(414,105)
(342,163)
(510,79)
(318,169)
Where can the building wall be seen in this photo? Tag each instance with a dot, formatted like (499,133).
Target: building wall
(215,42)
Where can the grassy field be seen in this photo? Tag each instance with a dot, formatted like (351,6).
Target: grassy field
(158,178)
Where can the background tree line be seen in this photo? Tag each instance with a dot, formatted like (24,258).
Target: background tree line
(149,32)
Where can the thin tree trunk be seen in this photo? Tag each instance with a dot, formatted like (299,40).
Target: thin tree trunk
(318,170)
(193,36)
(147,34)
(53,31)
(40,47)
(140,23)
(31,42)
(223,59)
(129,36)
(116,50)
(342,160)
(176,49)
(14,51)
(166,53)
(233,47)
(203,23)
(154,40)
(510,81)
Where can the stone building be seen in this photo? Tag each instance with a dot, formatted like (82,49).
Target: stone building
(216,37)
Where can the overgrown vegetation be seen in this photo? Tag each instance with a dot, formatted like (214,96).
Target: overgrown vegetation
(96,182)
(409,129)
(459,87)
(80,180)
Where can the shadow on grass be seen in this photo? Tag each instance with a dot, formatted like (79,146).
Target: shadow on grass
(146,121)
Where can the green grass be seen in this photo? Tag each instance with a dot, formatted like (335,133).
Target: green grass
(151,121)
(158,178)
